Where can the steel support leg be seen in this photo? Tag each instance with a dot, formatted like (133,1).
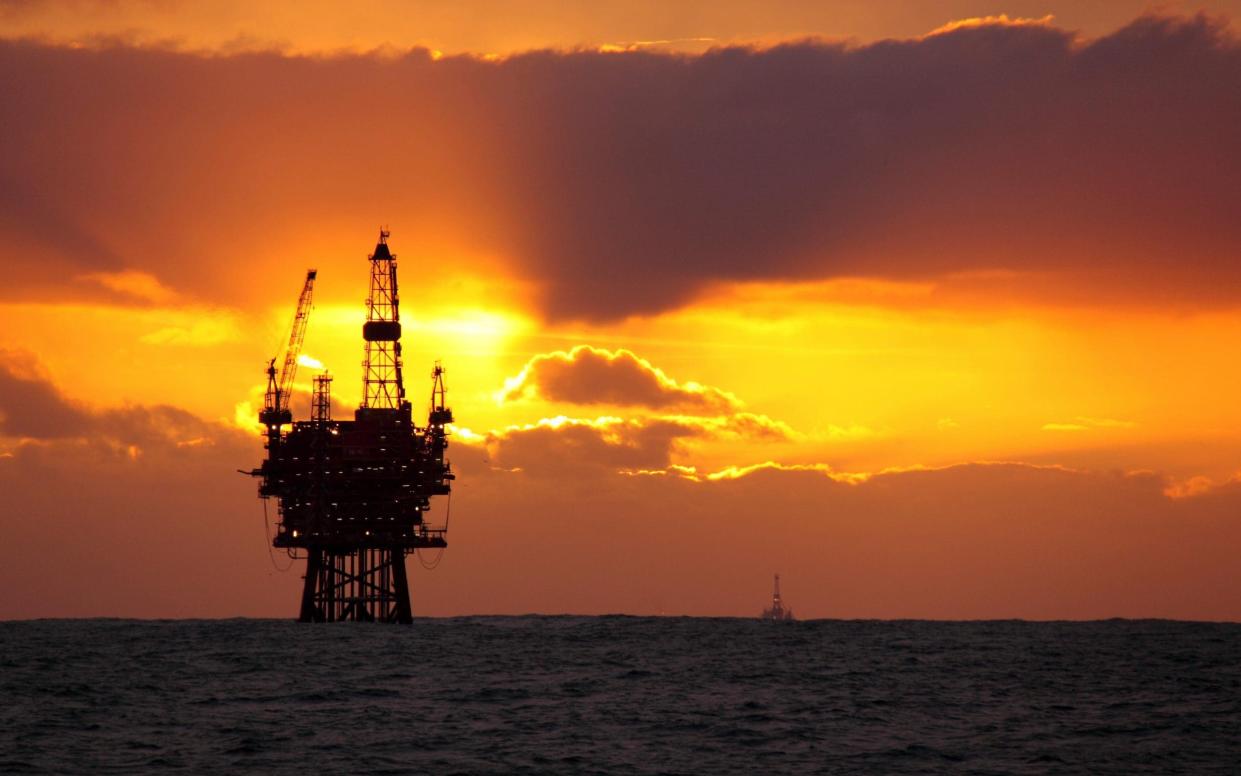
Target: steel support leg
(314,565)
(400,584)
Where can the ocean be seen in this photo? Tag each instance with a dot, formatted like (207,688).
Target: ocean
(626,695)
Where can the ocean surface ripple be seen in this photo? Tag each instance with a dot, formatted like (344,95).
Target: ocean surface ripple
(619,695)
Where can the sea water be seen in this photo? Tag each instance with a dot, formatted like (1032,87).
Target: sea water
(640,695)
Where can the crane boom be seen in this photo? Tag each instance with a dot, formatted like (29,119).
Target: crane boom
(280,386)
(296,337)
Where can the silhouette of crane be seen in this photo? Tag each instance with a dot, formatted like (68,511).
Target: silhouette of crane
(276,412)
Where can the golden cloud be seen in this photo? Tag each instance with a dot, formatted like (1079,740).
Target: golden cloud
(587,375)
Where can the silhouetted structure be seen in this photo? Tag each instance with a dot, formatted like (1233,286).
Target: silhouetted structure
(352,493)
(777,610)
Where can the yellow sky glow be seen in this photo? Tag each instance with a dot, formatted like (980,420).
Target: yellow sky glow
(866,385)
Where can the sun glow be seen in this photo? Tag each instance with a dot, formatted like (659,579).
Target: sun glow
(471,330)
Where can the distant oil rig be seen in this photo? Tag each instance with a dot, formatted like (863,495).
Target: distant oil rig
(352,493)
(777,610)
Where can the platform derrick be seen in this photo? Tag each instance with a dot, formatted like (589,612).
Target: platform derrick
(777,611)
(352,494)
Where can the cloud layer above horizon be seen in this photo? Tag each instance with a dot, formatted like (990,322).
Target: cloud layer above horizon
(1009,155)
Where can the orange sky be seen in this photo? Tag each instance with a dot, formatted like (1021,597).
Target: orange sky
(935,325)
(497,27)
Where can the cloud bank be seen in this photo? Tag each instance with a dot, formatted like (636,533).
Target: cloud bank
(545,518)
(34,410)
(618,184)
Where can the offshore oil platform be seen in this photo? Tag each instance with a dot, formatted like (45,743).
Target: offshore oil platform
(776,611)
(352,494)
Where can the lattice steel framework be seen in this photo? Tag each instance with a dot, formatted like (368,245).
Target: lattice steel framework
(321,399)
(383,387)
(363,585)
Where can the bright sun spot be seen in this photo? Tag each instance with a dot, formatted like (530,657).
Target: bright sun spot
(470,323)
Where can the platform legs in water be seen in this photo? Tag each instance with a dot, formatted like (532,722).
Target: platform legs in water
(362,585)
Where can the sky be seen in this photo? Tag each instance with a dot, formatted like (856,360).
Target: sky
(930,307)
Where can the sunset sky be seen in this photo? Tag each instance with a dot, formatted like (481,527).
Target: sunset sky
(932,307)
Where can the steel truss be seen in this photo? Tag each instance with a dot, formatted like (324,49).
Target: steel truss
(367,584)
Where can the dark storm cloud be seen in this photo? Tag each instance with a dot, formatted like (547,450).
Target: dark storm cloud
(623,184)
